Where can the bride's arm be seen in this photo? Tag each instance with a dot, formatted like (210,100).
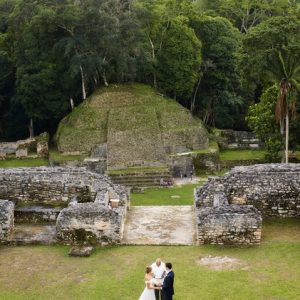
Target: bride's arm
(151,286)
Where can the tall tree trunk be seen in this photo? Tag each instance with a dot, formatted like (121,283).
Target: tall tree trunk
(71,103)
(31,129)
(287,138)
(104,79)
(194,97)
(283,140)
(153,58)
(82,83)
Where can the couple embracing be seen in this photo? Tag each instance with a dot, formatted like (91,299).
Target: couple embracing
(159,280)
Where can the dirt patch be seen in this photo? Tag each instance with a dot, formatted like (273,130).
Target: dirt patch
(222,263)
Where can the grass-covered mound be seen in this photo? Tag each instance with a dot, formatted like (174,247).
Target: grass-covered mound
(137,124)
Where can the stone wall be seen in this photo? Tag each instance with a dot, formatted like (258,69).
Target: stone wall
(97,165)
(229,225)
(53,187)
(89,223)
(6,219)
(32,147)
(274,189)
(36,215)
(230,139)
(229,208)
(69,196)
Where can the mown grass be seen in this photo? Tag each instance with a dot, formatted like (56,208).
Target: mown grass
(57,156)
(114,273)
(242,154)
(28,162)
(165,196)
(138,170)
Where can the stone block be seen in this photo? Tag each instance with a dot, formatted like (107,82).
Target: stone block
(229,225)
(81,251)
(6,219)
(22,153)
(88,224)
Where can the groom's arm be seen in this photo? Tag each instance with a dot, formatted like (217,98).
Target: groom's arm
(167,282)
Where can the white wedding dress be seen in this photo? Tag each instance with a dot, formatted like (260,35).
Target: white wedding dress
(148,294)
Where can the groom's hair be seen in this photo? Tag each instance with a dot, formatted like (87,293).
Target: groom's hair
(169,265)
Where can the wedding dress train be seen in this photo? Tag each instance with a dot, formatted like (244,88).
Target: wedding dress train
(148,294)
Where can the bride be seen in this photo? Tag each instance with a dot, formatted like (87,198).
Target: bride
(148,293)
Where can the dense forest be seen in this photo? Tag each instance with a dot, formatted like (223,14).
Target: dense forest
(233,63)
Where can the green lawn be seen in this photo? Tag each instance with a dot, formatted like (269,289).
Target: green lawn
(116,273)
(28,162)
(57,156)
(242,154)
(165,196)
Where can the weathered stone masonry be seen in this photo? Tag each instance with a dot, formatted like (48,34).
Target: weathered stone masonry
(77,200)
(6,218)
(272,190)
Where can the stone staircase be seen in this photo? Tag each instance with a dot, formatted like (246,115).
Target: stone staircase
(144,178)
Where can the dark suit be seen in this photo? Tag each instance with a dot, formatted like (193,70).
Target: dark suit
(167,288)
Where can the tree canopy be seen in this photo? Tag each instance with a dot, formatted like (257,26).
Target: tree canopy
(215,57)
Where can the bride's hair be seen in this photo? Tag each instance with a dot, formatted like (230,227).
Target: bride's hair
(148,270)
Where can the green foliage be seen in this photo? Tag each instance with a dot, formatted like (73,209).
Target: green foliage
(179,60)
(245,14)
(55,53)
(272,53)
(261,46)
(218,99)
(261,119)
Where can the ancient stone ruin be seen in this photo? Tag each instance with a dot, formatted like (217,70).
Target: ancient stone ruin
(229,209)
(75,202)
(32,147)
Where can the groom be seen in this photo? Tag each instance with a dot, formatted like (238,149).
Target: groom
(167,287)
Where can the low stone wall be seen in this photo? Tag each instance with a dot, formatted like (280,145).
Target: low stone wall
(229,225)
(53,187)
(36,147)
(83,193)
(274,189)
(6,219)
(90,223)
(230,139)
(96,165)
(229,207)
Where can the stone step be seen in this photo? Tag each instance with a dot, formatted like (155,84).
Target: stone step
(128,180)
(28,234)
(142,179)
(137,183)
(166,174)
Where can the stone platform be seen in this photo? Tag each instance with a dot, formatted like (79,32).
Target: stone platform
(26,234)
(160,225)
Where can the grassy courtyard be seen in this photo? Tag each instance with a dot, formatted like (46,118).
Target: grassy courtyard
(26,162)
(271,271)
(165,196)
